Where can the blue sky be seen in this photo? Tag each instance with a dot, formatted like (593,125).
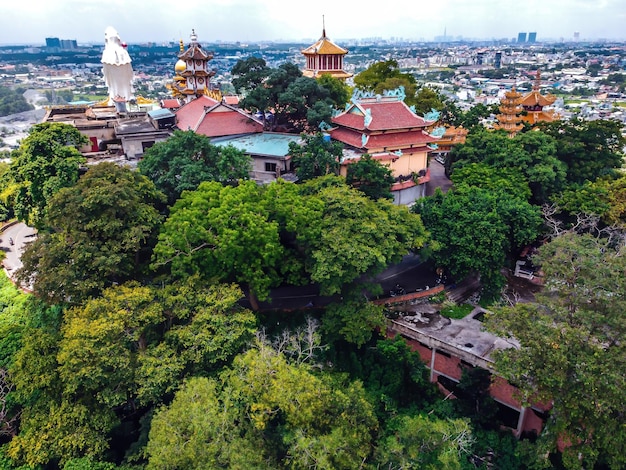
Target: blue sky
(254,20)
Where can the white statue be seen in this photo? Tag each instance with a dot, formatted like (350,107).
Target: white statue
(116,67)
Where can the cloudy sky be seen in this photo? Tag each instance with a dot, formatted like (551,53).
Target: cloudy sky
(253,20)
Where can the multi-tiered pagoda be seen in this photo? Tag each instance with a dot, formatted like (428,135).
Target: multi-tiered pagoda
(534,103)
(510,109)
(192,75)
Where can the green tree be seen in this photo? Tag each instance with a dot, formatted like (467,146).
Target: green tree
(12,101)
(266,96)
(532,154)
(338,91)
(187,159)
(590,149)
(571,351)
(304,104)
(264,413)
(357,237)
(223,233)
(98,231)
(476,229)
(249,74)
(316,156)
(370,177)
(427,99)
(386,75)
(481,175)
(420,442)
(47,160)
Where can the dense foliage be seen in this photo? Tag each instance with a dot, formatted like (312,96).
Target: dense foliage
(97,232)
(12,101)
(138,350)
(572,352)
(187,159)
(47,160)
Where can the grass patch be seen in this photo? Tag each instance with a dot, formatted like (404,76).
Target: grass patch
(456,311)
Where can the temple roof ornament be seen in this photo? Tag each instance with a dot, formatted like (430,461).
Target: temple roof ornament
(433,115)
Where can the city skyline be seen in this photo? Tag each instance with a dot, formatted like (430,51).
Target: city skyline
(282,20)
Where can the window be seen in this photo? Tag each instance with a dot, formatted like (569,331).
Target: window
(271,167)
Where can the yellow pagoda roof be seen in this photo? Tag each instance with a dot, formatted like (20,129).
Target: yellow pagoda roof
(333,73)
(535,98)
(325,46)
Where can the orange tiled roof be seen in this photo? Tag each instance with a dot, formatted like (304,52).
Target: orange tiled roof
(171,103)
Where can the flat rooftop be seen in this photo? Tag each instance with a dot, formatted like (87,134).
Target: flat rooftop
(271,144)
(465,338)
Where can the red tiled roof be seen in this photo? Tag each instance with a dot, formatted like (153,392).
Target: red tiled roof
(391,140)
(218,124)
(233,100)
(171,103)
(385,115)
(189,115)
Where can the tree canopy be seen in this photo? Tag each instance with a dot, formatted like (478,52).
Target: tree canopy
(98,230)
(316,156)
(532,154)
(590,149)
(476,229)
(187,159)
(572,353)
(370,177)
(47,160)
(386,75)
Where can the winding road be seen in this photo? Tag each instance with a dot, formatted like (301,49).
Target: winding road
(13,240)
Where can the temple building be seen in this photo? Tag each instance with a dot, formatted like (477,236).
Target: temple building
(192,75)
(510,109)
(534,102)
(384,127)
(325,57)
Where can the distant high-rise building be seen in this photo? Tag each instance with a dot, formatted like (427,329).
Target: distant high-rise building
(497,61)
(576,36)
(53,42)
(69,44)
(521,37)
(532,37)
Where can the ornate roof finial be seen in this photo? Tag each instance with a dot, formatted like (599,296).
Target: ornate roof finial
(182,46)
(323,27)
(194,38)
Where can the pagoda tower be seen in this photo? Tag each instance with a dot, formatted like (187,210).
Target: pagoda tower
(510,109)
(325,57)
(192,75)
(534,102)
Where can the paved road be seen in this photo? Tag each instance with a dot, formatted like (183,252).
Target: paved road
(438,179)
(21,234)
(411,273)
